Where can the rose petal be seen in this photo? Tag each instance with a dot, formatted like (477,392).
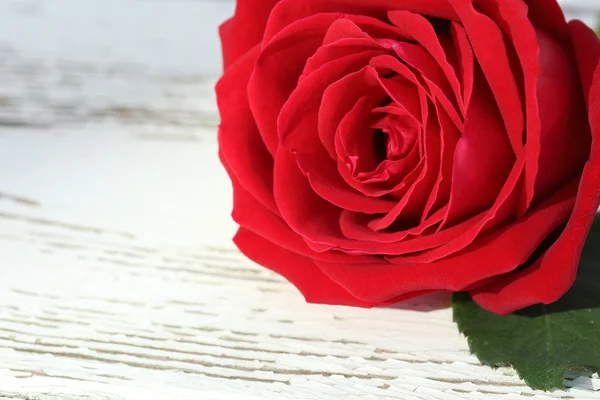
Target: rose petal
(434,78)
(327,183)
(361,27)
(307,214)
(565,135)
(554,272)
(587,51)
(466,59)
(343,29)
(489,47)
(299,116)
(401,128)
(390,176)
(400,90)
(357,149)
(238,134)
(379,281)
(297,128)
(252,215)
(404,88)
(440,194)
(406,93)
(310,216)
(245,29)
(277,70)
(423,33)
(512,16)
(357,138)
(412,203)
(548,16)
(355,226)
(301,271)
(401,246)
(288,11)
(483,157)
(502,211)
(354,39)
(337,99)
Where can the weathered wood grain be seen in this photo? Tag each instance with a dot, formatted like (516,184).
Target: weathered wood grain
(118,278)
(96,311)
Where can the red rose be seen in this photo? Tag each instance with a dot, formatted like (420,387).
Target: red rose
(384,149)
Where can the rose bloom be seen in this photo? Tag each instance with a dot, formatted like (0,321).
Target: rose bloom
(385,149)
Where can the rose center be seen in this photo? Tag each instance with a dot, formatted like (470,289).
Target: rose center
(380,143)
(393,137)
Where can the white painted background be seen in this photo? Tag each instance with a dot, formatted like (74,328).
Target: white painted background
(117,276)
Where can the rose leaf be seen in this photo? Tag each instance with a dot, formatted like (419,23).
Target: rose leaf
(542,342)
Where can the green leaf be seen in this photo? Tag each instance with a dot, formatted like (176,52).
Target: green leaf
(544,341)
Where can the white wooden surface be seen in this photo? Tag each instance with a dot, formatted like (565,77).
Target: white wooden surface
(117,277)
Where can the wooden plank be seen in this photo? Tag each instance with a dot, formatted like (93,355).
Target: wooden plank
(118,277)
(140,90)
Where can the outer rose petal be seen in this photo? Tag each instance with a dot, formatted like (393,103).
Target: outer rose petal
(299,270)
(587,51)
(485,258)
(554,272)
(522,51)
(245,29)
(288,11)
(564,137)
(548,16)
(239,136)
(489,46)
(252,215)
